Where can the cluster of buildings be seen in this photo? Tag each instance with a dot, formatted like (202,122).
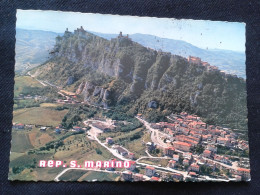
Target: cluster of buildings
(184,135)
(31,97)
(130,176)
(149,175)
(103,126)
(197,60)
(123,152)
(68,100)
(187,132)
(121,36)
(18,126)
(57,130)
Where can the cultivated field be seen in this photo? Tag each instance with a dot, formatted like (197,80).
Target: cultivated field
(20,142)
(39,116)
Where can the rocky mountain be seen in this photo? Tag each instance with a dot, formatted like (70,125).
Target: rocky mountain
(229,61)
(126,76)
(32,48)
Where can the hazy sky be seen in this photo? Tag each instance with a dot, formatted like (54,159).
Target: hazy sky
(201,33)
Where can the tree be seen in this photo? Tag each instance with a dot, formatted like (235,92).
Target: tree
(98,151)
(205,170)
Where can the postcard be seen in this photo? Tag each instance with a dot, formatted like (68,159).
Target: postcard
(125,98)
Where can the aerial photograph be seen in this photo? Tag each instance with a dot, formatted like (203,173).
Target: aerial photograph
(101,97)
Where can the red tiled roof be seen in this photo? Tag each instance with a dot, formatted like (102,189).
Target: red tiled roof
(192,173)
(132,162)
(207,151)
(127,172)
(148,167)
(155,178)
(182,143)
(139,175)
(243,169)
(194,165)
(224,139)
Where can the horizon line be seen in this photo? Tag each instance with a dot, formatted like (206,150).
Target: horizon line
(238,51)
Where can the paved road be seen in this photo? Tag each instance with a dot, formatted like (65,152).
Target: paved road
(114,152)
(154,134)
(146,151)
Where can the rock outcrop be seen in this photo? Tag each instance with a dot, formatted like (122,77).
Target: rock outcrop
(70,80)
(80,88)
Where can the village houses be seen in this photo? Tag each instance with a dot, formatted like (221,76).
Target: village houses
(127,175)
(149,171)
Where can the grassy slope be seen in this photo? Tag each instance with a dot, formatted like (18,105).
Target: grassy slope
(22,81)
(81,175)
(20,142)
(100,176)
(75,148)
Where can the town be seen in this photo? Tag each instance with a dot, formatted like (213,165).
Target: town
(188,144)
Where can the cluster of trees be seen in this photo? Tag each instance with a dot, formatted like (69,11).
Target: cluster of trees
(98,151)
(128,127)
(55,144)
(52,145)
(19,169)
(233,152)
(41,91)
(205,170)
(28,90)
(198,149)
(122,141)
(25,104)
(77,114)
(59,108)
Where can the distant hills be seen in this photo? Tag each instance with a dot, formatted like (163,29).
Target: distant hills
(32,49)
(230,61)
